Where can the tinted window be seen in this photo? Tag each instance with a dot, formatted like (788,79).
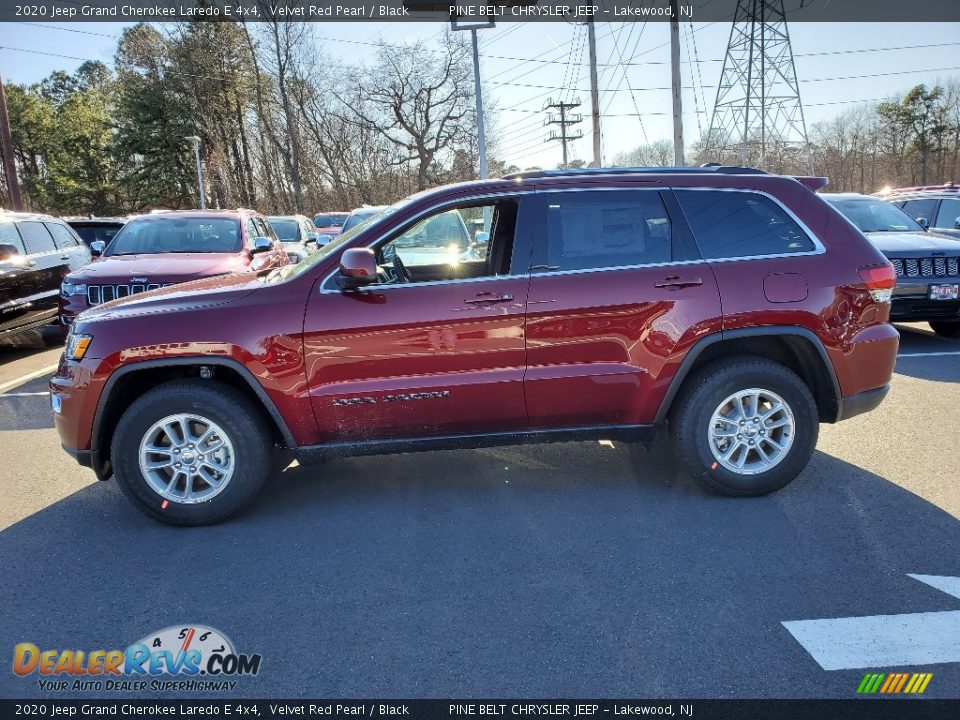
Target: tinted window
(94,233)
(586,230)
(330,220)
(920,208)
(36,237)
(177,235)
(62,235)
(949,214)
(286,230)
(740,224)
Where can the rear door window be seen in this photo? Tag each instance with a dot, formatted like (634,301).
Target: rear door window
(10,236)
(36,237)
(734,224)
(597,229)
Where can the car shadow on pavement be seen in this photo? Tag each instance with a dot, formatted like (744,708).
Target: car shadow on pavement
(569,570)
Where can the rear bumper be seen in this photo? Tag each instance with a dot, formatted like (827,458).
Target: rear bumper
(861,402)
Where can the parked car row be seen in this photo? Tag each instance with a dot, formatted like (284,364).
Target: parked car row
(51,269)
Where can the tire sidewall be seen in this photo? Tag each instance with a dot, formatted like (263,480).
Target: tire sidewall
(806,427)
(217,406)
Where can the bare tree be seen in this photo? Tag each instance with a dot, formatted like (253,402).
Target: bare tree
(418,100)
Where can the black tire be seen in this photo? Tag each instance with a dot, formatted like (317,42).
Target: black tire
(704,392)
(946,328)
(239,418)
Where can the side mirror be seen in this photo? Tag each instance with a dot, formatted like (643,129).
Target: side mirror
(262,244)
(311,239)
(8,252)
(924,223)
(481,238)
(97,247)
(358,267)
(323,240)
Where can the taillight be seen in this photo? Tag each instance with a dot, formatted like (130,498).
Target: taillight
(880,281)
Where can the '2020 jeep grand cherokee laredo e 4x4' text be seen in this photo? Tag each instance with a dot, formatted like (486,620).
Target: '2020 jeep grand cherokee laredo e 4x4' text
(736,307)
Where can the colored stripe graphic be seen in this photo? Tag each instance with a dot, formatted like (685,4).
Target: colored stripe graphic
(894,683)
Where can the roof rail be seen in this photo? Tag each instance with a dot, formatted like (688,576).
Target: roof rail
(574,172)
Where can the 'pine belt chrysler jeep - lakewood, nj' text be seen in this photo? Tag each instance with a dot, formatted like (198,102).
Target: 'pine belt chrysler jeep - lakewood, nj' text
(735,308)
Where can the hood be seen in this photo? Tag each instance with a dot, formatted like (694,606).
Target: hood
(165,268)
(209,292)
(913,243)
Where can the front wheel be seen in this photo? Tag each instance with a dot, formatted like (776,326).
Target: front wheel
(745,426)
(191,452)
(946,328)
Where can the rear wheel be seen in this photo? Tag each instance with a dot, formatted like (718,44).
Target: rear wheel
(745,426)
(946,328)
(191,452)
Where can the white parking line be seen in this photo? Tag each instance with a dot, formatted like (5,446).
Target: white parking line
(27,378)
(33,394)
(925,638)
(929,354)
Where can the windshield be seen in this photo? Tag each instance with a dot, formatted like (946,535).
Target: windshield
(374,216)
(177,235)
(287,229)
(875,215)
(330,220)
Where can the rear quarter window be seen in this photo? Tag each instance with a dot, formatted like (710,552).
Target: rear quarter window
(733,224)
(63,236)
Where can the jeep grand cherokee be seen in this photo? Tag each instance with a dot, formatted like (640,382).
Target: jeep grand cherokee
(735,307)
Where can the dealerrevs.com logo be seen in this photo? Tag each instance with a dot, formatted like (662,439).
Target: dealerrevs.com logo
(201,658)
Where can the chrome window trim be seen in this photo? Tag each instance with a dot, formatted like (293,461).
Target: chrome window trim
(819,248)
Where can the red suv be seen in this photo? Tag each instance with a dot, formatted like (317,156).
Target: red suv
(166,248)
(735,307)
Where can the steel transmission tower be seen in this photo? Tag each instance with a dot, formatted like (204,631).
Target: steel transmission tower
(758,100)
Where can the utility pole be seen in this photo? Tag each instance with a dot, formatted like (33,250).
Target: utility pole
(594,95)
(564,120)
(675,68)
(9,165)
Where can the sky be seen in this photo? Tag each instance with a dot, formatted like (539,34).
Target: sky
(524,64)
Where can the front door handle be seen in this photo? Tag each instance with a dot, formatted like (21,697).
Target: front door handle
(488,298)
(675,282)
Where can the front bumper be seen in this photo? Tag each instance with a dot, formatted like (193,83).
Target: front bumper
(911,301)
(74,393)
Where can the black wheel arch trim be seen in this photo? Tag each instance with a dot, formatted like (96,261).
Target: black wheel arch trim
(235,365)
(686,365)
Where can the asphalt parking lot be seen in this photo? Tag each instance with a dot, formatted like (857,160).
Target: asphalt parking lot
(574,570)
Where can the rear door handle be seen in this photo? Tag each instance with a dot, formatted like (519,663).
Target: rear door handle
(675,282)
(488,298)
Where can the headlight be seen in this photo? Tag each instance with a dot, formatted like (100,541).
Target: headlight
(77,346)
(68,289)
